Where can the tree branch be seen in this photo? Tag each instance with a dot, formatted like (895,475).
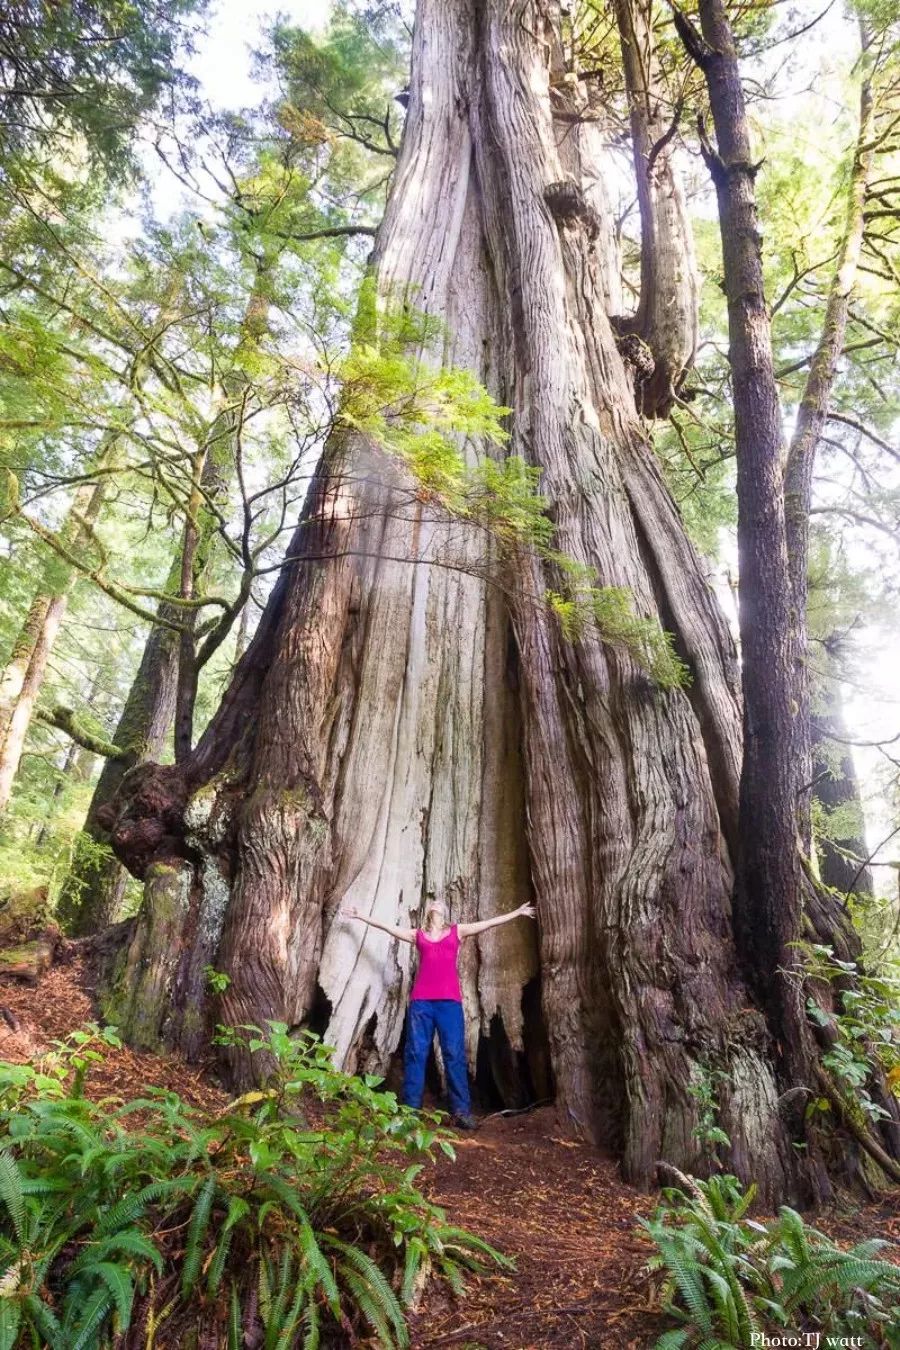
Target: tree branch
(66,720)
(863,430)
(696,47)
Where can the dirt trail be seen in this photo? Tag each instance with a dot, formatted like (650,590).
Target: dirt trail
(557,1206)
(560,1209)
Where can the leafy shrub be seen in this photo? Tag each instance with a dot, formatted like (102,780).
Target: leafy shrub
(728,1277)
(289,1214)
(867,1023)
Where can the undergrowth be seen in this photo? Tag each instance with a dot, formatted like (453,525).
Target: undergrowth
(732,1281)
(286,1220)
(865,1027)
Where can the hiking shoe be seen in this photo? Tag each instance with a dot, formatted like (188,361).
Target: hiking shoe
(465,1123)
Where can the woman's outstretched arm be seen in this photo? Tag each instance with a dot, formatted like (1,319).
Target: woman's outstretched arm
(469,929)
(404,934)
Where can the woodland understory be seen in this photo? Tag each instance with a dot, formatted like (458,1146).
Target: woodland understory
(364,536)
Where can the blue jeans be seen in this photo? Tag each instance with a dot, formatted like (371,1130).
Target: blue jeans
(425,1016)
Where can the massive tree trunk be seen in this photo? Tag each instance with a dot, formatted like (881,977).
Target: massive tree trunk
(399,724)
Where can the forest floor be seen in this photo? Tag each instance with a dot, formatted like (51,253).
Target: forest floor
(557,1206)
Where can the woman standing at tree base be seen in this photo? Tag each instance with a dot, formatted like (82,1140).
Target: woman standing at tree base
(435,1003)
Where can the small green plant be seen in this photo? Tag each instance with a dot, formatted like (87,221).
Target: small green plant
(216,980)
(867,1022)
(89,858)
(610,609)
(704,1090)
(728,1278)
(291,1211)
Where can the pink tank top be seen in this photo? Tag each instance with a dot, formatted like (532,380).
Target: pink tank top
(437,977)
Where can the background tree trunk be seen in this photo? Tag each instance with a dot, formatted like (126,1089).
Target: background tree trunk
(668,312)
(841,860)
(92,893)
(813,412)
(775,903)
(23,676)
(165,686)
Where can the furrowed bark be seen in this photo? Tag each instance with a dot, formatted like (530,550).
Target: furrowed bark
(668,312)
(386,737)
(619,845)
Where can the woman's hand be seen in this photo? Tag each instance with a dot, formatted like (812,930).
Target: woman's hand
(526,911)
(351,912)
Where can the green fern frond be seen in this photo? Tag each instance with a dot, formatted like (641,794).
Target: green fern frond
(413,1265)
(372,1311)
(120,1284)
(281,1294)
(11,1193)
(133,1206)
(723,1301)
(672,1340)
(45,1185)
(94,1313)
(130,1242)
(10,1319)
(459,1239)
(687,1275)
(238,1209)
(197,1229)
(313,1333)
(354,1259)
(264,1289)
(44,1321)
(290,1321)
(318,1266)
(235,1332)
(453,1275)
